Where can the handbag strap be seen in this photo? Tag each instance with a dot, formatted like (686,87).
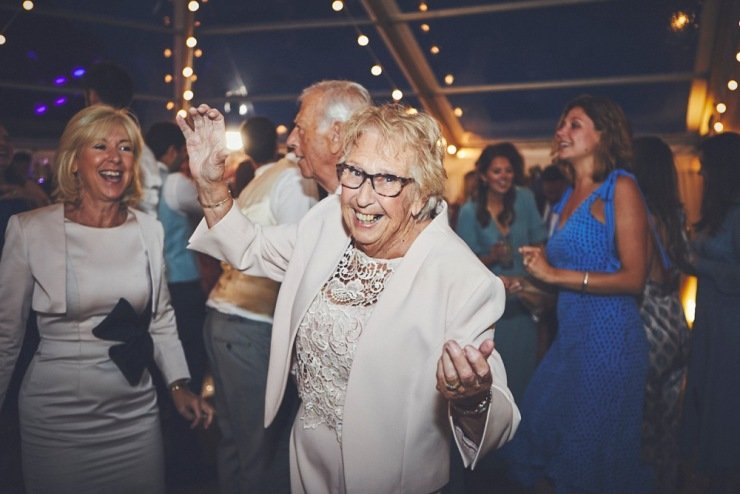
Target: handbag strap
(667,264)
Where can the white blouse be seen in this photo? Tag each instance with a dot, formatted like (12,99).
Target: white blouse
(329,333)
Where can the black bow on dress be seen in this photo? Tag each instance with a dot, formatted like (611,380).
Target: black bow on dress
(137,350)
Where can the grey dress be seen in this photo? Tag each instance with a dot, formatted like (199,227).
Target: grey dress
(84,428)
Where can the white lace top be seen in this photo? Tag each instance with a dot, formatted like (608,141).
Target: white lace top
(328,335)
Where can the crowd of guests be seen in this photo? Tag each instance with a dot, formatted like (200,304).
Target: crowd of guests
(545,308)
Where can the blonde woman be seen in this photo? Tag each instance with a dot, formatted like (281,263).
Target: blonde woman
(92,268)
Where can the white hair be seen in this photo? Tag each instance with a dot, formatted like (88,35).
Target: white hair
(339,100)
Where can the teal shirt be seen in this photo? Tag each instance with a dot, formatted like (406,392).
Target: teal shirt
(527,229)
(516,332)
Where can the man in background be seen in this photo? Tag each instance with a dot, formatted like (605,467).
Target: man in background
(178,210)
(316,138)
(238,329)
(111,85)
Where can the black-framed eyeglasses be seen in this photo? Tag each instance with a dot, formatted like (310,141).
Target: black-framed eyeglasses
(385,184)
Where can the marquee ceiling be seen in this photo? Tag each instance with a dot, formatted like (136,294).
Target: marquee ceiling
(503,70)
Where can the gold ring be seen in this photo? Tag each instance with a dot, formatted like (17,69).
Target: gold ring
(450,387)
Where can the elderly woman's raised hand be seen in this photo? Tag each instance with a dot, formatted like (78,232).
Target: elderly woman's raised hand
(206,141)
(463,374)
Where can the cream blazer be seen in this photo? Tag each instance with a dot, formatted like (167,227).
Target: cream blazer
(396,427)
(33,275)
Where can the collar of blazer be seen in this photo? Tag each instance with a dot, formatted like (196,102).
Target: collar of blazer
(45,228)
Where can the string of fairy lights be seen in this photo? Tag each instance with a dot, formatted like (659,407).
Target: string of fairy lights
(434,50)
(376,69)
(190,52)
(726,91)
(363,40)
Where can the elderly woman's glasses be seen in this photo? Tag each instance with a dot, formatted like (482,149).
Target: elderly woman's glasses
(385,184)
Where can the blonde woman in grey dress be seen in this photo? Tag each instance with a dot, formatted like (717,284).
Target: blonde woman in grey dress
(92,269)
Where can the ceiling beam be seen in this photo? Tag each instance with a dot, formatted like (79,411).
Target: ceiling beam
(81,16)
(398,17)
(491,8)
(392,25)
(622,80)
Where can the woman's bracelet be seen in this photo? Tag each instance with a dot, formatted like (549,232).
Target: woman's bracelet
(584,284)
(480,408)
(179,384)
(214,205)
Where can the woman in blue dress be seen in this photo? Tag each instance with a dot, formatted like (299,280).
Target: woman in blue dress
(502,218)
(711,429)
(582,411)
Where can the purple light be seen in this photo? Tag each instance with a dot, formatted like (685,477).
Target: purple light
(61,80)
(60,101)
(40,109)
(78,72)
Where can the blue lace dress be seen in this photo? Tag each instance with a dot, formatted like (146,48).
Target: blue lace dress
(582,411)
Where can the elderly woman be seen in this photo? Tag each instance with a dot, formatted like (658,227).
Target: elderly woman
(378,297)
(92,269)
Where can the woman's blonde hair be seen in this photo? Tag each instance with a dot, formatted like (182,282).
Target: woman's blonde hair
(415,134)
(85,127)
